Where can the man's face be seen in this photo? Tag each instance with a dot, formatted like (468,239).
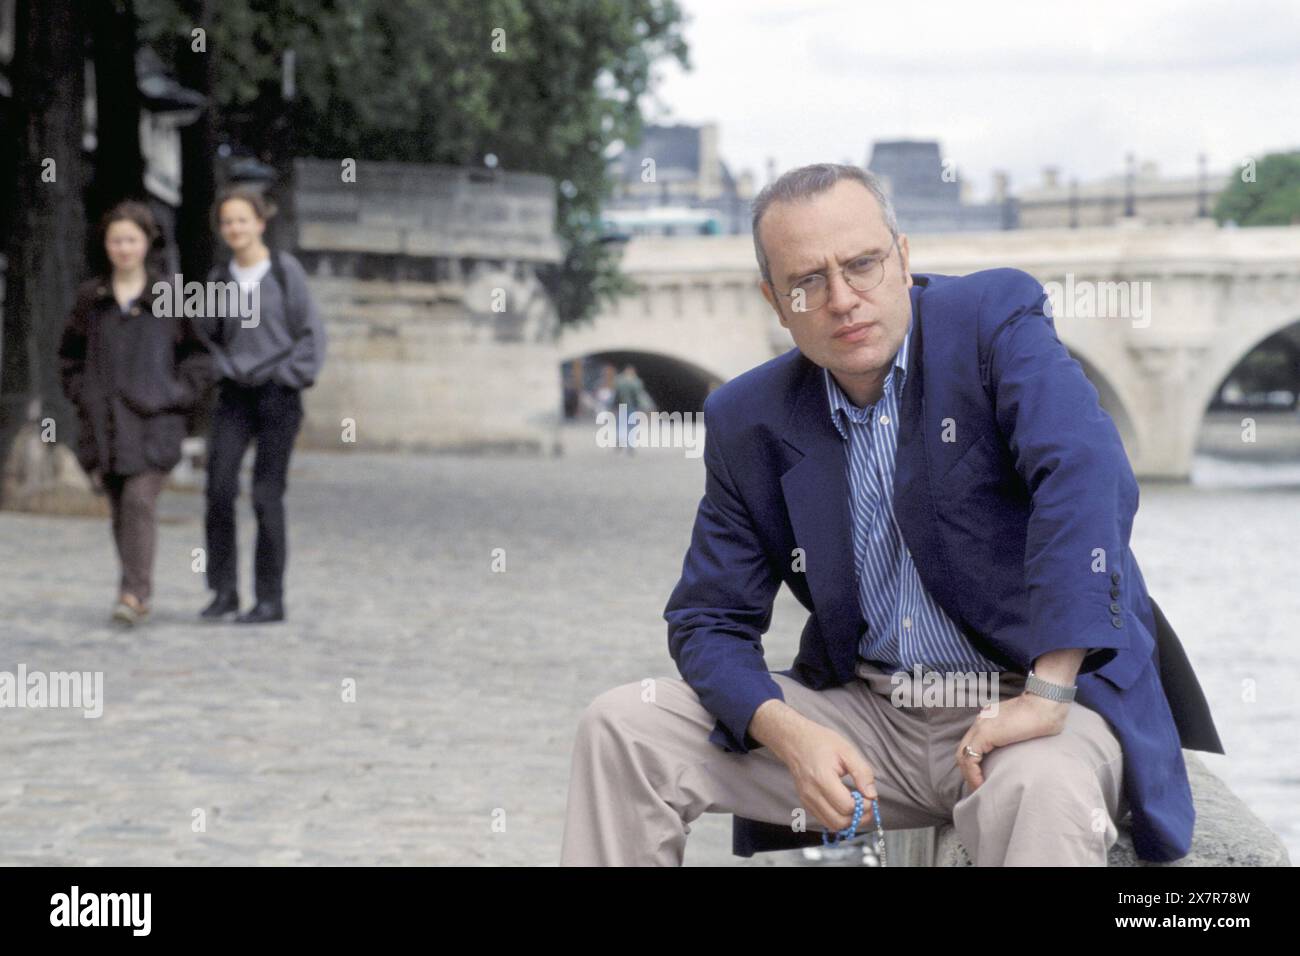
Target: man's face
(854,334)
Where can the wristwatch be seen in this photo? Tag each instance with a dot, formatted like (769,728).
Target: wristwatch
(1058,692)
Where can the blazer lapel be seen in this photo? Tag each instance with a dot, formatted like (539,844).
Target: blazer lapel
(816,494)
(914,502)
(914,492)
(911,468)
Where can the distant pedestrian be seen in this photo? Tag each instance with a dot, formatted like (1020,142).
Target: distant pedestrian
(132,376)
(264,362)
(604,392)
(630,397)
(572,389)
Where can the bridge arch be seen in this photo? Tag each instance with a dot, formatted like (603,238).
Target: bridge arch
(1223,365)
(1259,421)
(675,384)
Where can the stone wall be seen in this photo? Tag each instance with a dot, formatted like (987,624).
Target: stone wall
(417,368)
(441,336)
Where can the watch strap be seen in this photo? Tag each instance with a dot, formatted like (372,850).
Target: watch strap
(1058,692)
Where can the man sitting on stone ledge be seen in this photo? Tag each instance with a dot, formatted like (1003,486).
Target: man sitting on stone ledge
(931,475)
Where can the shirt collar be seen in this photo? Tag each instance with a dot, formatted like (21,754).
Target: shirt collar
(842,407)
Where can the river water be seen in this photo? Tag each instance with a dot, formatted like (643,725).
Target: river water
(1220,557)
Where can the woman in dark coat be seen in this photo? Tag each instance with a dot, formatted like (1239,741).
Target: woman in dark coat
(132,376)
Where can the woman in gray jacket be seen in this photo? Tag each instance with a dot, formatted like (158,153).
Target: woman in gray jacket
(266,351)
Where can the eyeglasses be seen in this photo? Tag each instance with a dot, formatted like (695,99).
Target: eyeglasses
(862,275)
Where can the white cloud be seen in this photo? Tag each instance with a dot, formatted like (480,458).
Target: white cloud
(1002,85)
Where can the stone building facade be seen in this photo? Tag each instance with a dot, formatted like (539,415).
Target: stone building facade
(441,336)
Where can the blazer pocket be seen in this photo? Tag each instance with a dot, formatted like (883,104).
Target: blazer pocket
(973,463)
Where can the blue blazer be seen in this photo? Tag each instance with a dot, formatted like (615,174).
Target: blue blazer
(1018,526)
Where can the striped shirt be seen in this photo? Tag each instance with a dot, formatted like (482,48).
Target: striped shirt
(905,625)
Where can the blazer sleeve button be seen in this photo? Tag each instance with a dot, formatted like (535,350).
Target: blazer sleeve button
(1114,609)
(1116,622)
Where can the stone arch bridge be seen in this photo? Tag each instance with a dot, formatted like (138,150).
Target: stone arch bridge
(1157,317)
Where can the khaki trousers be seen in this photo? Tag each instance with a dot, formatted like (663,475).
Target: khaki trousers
(642,770)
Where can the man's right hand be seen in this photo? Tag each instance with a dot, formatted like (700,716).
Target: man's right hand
(817,758)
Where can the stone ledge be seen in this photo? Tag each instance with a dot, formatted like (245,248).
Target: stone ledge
(1227,832)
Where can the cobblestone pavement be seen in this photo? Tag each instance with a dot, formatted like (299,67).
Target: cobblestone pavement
(469,682)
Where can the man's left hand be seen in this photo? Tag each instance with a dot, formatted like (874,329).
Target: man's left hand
(1018,718)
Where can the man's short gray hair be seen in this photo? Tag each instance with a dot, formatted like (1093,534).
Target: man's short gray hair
(808,181)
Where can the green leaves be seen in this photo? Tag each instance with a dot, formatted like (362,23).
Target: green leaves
(1271,199)
(428,81)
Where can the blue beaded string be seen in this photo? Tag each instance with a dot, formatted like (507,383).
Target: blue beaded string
(849,832)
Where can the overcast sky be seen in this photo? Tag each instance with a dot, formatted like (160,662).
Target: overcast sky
(1001,85)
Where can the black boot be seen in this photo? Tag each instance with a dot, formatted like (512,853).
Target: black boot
(263,612)
(226,602)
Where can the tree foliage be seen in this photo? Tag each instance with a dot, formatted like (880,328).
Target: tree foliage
(548,86)
(1272,199)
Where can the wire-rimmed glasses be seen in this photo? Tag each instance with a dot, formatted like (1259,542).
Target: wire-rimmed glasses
(861,275)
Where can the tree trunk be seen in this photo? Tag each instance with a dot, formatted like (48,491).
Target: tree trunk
(119,162)
(282,231)
(45,255)
(197,71)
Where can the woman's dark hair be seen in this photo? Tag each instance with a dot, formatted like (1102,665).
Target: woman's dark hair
(130,210)
(262,208)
